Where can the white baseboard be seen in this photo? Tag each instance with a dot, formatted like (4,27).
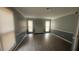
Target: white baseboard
(64,31)
(19,43)
(62,38)
(12,47)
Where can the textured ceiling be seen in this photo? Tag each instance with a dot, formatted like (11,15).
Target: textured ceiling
(53,12)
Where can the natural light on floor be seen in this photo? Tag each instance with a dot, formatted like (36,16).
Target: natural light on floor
(46,36)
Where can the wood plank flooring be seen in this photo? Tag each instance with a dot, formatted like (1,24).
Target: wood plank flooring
(44,42)
(78,42)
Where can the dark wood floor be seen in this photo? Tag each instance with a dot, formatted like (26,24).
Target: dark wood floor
(78,42)
(44,42)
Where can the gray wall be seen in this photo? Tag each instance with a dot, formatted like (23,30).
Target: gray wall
(39,25)
(65,26)
(20,22)
(20,25)
(67,23)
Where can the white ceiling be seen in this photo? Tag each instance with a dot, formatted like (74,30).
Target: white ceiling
(53,12)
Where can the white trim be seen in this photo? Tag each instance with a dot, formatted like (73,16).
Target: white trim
(19,43)
(64,31)
(75,43)
(52,34)
(56,18)
(18,33)
(16,46)
(20,12)
(62,38)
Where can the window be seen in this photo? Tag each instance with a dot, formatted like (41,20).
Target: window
(47,26)
(30,26)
